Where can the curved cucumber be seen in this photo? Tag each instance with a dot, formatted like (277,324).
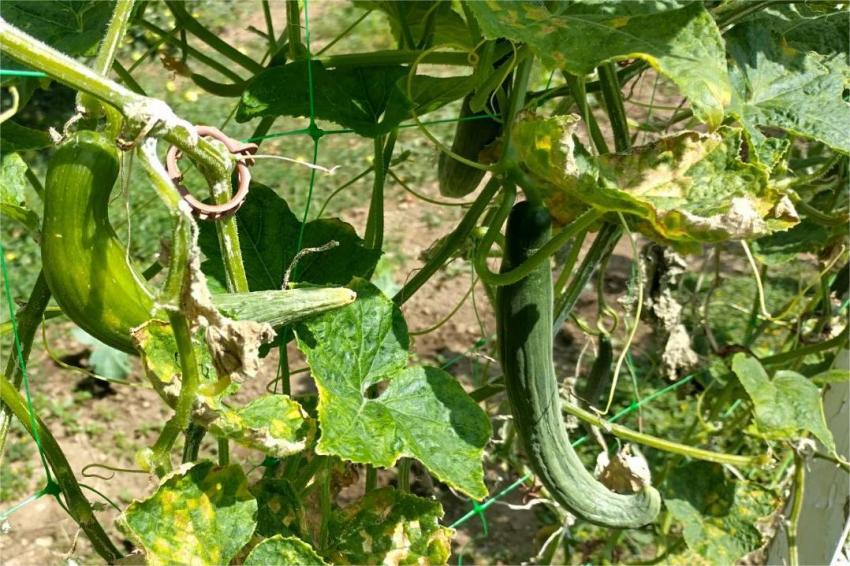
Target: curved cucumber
(86,264)
(524,318)
(458,179)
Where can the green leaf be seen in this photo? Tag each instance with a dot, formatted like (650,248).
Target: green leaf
(104,360)
(784,406)
(268,235)
(448,26)
(13,188)
(389,527)
(682,43)
(273,424)
(283,551)
(280,510)
(74,27)
(718,516)
(369,100)
(200,514)
(20,138)
(686,187)
(421,412)
(782,247)
(777,86)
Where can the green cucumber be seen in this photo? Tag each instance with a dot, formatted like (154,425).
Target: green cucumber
(87,268)
(524,327)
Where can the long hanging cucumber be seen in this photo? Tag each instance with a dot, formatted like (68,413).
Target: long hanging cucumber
(524,318)
(86,265)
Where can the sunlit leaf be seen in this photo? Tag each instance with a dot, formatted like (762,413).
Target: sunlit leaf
(283,551)
(681,41)
(786,405)
(778,86)
(389,527)
(719,516)
(200,514)
(415,411)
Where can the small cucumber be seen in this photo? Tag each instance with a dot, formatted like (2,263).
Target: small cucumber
(524,328)
(457,179)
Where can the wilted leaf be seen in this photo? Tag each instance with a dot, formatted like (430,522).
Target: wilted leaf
(681,41)
(718,515)
(687,187)
(283,551)
(273,424)
(199,514)
(785,405)
(389,527)
(421,412)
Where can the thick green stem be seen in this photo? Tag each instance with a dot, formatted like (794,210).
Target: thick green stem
(516,101)
(796,508)
(108,49)
(193,26)
(141,112)
(77,504)
(613,97)
(451,243)
(194,435)
(374,235)
(404,474)
(293,30)
(779,359)
(602,246)
(663,444)
(190,379)
(578,88)
(28,319)
(223,452)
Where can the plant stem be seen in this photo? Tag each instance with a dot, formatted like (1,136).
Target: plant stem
(194,435)
(404,474)
(451,243)
(78,506)
(661,443)
(374,235)
(613,97)
(602,246)
(371,478)
(28,319)
(169,37)
(325,502)
(293,30)
(223,452)
(267,14)
(190,379)
(516,100)
(578,88)
(392,57)
(779,359)
(186,21)
(108,49)
(140,111)
(796,508)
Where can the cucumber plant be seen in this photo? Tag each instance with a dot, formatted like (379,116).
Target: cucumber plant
(746,173)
